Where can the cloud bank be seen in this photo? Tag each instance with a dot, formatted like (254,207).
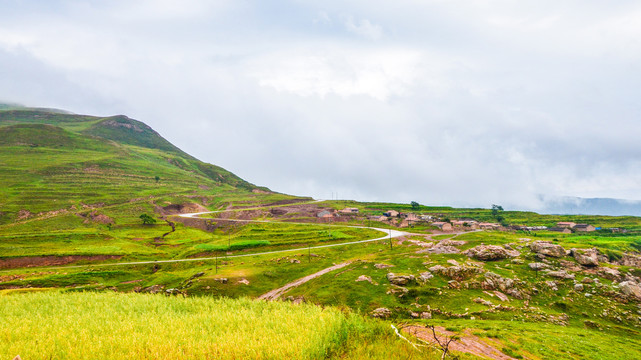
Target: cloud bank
(454,103)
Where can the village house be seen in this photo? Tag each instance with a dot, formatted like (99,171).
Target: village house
(566,224)
(584,227)
(563,230)
(349,211)
(445,226)
(391,213)
(489,226)
(410,217)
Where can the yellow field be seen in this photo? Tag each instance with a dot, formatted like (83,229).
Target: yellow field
(50,325)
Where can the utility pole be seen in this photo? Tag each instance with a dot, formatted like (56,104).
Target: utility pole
(390,239)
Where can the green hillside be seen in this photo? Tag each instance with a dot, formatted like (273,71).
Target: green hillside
(75,190)
(55,161)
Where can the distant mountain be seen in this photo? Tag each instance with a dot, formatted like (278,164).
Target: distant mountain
(590,206)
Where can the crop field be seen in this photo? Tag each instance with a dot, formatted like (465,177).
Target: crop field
(50,325)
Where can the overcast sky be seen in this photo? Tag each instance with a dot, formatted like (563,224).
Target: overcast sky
(465,103)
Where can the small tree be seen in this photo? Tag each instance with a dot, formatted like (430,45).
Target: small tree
(147,219)
(157,178)
(415,205)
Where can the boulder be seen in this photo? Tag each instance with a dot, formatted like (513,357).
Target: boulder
(538,266)
(426,315)
(493,281)
(425,276)
(630,289)
(630,260)
(381,313)
(460,272)
(609,273)
(399,279)
(586,257)
(397,290)
(578,287)
(552,285)
(294,261)
(441,249)
(437,268)
(382,266)
(487,252)
(547,249)
(364,278)
(561,274)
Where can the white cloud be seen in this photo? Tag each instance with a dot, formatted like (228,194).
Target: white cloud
(363,28)
(339,70)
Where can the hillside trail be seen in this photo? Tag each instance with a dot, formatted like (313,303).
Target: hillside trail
(466,342)
(276,293)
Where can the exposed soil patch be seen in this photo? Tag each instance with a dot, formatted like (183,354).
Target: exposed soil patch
(187,208)
(33,261)
(467,342)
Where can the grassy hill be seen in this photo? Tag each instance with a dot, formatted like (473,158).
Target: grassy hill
(74,188)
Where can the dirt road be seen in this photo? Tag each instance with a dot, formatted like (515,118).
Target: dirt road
(276,293)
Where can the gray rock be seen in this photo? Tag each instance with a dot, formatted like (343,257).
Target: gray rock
(221,280)
(426,315)
(437,268)
(587,280)
(578,287)
(460,272)
(630,289)
(399,279)
(552,285)
(487,252)
(538,266)
(586,257)
(294,261)
(493,281)
(630,260)
(381,313)
(383,266)
(364,278)
(425,276)
(609,273)
(548,249)
(561,274)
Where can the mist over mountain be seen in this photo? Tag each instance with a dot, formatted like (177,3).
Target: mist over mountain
(589,206)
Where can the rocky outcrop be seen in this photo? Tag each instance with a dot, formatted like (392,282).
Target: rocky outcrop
(400,279)
(364,278)
(381,313)
(630,260)
(487,252)
(609,273)
(547,249)
(630,289)
(537,266)
(586,257)
(383,266)
(460,272)
(561,274)
(494,281)
(425,276)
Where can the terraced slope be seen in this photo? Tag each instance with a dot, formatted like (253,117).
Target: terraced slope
(51,161)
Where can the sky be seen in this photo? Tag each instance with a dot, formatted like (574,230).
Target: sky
(463,103)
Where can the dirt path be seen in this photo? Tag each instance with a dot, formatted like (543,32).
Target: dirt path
(466,343)
(276,293)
